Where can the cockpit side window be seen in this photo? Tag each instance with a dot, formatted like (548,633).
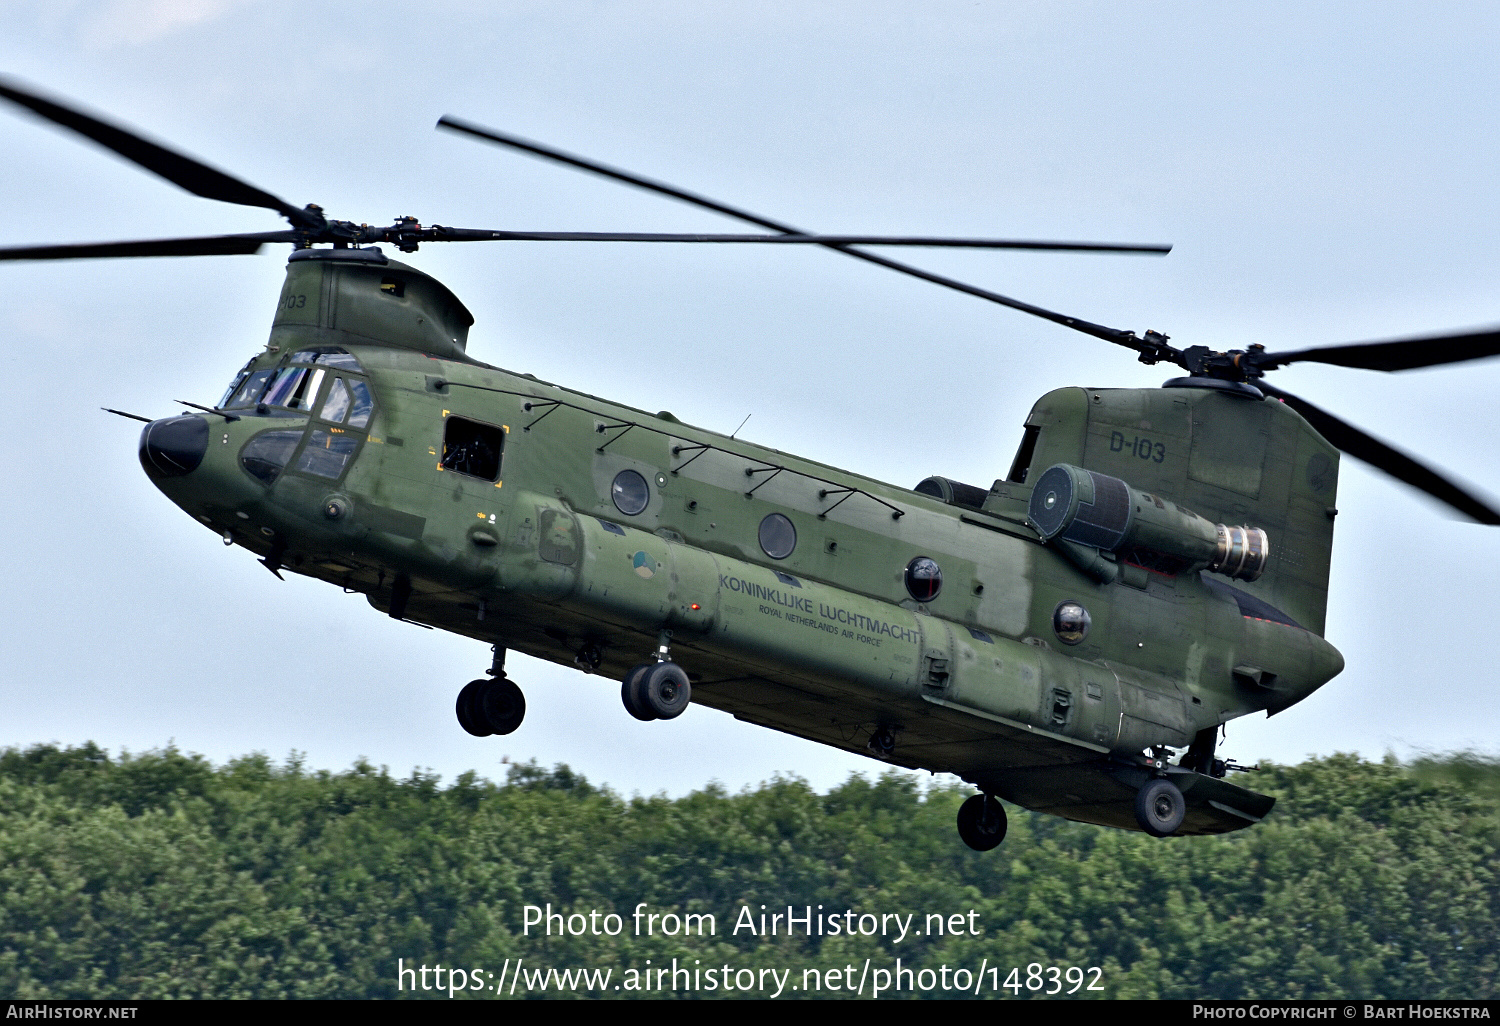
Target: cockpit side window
(351,397)
(327,452)
(337,403)
(268,452)
(363,406)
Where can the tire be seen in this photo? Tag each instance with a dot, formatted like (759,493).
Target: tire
(666,690)
(634,696)
(982,822)
(502,706)
(1160,807)
(470,717)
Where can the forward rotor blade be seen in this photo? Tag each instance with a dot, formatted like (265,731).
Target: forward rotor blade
(1350,439)
(480,235)
(1397,355)
(1116,335)
(538,150)
(208,245)
(177,168)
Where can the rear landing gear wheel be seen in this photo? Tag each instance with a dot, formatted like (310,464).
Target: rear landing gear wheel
(1160,807)
(982,822)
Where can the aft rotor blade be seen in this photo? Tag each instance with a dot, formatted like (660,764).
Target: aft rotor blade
(1350,439)
(1116,335)
(208,245)
(470,234)
(1396,355)
(177,168)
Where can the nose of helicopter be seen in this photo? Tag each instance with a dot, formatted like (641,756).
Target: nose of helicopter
(174,446)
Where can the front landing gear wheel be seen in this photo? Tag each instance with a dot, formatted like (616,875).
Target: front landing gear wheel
(982,822)
(1159,807)
(502,705)
(666,690)
(488,707)
(632,695)
(470,715)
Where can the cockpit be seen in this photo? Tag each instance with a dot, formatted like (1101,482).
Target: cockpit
(324,384)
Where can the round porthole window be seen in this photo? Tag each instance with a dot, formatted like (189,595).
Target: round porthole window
(630,492)
(924,579)
(777,536)
(1070,621)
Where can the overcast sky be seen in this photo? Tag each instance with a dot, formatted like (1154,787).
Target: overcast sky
(1327,173)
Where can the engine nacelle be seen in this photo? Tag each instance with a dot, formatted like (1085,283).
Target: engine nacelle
(1105,513)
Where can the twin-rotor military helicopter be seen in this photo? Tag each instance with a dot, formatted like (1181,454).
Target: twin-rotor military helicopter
(1071,638)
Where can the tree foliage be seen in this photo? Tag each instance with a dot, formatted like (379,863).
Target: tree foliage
(160,875)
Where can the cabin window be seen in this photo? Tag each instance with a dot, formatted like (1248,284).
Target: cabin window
(264,456)
(924,579)
(1070,621)
(777,536)
(630,492)
(469,447)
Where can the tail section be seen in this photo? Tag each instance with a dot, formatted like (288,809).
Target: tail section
(1230,458)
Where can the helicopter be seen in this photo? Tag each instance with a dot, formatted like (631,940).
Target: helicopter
(1154,563)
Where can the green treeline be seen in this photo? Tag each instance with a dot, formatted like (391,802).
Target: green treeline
(161,875)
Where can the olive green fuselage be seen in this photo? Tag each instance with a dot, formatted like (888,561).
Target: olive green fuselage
(826,642)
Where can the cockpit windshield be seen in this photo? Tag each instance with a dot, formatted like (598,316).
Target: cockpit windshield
(296,387)
(328,356)
(245,390)
(293,388)
(234,386)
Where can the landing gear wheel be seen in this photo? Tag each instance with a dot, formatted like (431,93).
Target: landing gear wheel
(502,705)
(666,690)
(982,823)
(470,715)
(1159,807)
(632,694)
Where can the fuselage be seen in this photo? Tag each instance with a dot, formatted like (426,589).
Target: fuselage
(797,596)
